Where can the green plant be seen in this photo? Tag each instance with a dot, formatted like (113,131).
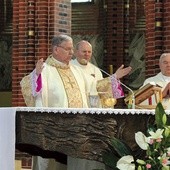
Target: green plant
(156,144)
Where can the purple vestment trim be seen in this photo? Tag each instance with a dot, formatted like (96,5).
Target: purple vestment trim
(39,83)
(116,87)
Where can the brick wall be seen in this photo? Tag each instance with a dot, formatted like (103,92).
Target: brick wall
(35,22)
(166,25)
(157,39)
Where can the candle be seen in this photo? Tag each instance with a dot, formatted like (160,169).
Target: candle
(150,100)
(111,69)
(160,96)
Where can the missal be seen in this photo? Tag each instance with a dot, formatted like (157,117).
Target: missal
(145,92)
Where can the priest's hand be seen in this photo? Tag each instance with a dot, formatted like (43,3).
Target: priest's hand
(121,71)
(39,66)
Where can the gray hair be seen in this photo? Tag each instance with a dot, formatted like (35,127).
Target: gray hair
(162,56)
(57,40)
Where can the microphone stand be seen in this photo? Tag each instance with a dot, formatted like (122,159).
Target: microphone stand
(133,94)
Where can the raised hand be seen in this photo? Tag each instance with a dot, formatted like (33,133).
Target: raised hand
(121,71)
(39,66)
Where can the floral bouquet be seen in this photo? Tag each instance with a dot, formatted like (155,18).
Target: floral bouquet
(155,143)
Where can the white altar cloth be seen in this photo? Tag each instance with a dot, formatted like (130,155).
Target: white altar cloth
(90,110)
(7,138)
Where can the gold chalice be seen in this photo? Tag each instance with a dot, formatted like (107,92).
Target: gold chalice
(110,102)
(107,100)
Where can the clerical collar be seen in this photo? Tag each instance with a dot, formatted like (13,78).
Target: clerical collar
(55,63)
(82,65)
(166,78)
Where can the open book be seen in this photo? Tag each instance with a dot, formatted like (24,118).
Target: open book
(146,92)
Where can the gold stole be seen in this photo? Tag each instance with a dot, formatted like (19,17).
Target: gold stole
(26,90)
(71,87)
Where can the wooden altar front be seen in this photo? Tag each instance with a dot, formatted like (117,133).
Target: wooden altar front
(82,133)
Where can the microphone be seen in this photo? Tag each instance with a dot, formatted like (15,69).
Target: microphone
(133,94)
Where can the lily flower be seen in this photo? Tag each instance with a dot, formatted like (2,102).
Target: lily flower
(157,134)
(141,140)
(126,163)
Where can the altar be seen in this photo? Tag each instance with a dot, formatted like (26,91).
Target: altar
(82,133)
(57,132)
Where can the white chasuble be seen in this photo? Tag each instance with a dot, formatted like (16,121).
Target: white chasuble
(71,88)
(62,86)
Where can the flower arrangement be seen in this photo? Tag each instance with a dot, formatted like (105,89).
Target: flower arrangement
(155,143)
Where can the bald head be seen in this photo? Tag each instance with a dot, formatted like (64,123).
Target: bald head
(164,64)
(82,43)
(163,56)
(83,52)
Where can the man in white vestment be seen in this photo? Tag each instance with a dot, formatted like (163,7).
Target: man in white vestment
(83,55)
(55,83)
(163,80)
(92,74)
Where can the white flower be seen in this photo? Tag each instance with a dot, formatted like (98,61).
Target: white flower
(125,163)
(157,134)
(141,140)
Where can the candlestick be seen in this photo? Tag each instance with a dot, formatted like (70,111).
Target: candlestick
(160,96)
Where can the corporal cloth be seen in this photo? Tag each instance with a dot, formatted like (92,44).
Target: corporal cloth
(7,138)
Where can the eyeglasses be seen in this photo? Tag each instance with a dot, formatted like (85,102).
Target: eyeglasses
(67,49)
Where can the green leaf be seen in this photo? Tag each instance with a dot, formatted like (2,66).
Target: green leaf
(167,132)
(140,161)
(117,149)
(159,112)
(110,159)
(164,119)
(139,168)
(121,148)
